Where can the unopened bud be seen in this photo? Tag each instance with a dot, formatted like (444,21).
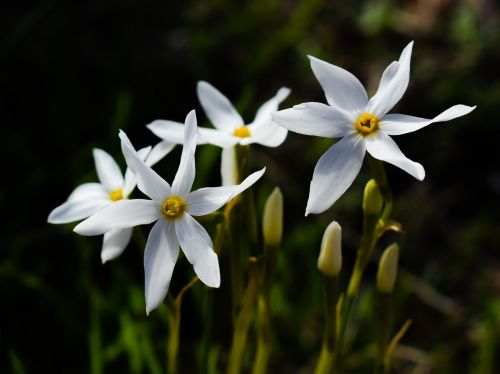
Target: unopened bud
(272,221)
(372,199)
(330,256)
(387,269)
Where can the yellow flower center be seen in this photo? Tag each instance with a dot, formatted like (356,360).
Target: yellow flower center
(366,124)
(173,207)
(116,194)
(242,132)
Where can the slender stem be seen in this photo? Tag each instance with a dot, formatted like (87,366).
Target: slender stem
(384,326)
(327,355)
(244,319)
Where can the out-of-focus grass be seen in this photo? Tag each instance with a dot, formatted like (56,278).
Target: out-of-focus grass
(73,73)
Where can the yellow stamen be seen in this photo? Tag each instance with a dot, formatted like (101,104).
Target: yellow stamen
(366,124)
(242,132)
(173,207)
(116,194)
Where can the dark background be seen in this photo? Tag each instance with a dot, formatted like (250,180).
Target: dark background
(73,72)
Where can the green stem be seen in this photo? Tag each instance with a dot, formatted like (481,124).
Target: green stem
(174,323)
(384,326)
(243,319)
(327,356)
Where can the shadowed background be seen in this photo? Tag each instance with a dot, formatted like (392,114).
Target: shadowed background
(73,73)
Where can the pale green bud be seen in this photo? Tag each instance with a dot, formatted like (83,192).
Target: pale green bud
(387,269)
(372,199)
(330,256)
(272,221)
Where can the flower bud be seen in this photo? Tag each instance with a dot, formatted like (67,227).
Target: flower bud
(372,199)
(272,221)
(387,269)
(330,257)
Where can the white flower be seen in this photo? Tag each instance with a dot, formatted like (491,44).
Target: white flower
(230,129)
(363,124)
(172,208)
(89,198)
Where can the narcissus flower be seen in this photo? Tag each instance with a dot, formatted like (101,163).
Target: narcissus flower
(89,198)
(230,129)
(172,208)
(363,125)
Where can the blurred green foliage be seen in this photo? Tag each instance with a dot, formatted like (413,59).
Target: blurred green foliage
(73,73)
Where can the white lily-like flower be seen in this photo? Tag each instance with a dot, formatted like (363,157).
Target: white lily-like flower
(172,208)
(88,198)
(230,129)
(363,124)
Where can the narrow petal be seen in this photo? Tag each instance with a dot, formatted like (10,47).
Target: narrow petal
(158,152)
(216,137)
(160,256)
(130,179)
(315,119)
(382,147)
(218,108)
(398,124)
(266,132)
(88,191)
(108,171)
(120,215)
(271,105)
(184,177)
(335,172)
(228,167)
(342,89)
(168,130)
(114,244)
(393,84)
(148,180)
(209,199)
(75,210)
(198,248)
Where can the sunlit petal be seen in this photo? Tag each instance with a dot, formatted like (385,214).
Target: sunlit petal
(209,199)
(335,172)
(186,172)
(218,108)
(198,248)
(108,171)
(114,243)
(120,215)
(382,147)
(75,210)
(160,256)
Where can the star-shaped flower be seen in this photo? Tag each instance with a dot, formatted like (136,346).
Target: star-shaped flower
(230,129)
(172,208)
(88,198)
(363,124)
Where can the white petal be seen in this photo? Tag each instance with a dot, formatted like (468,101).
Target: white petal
(168,130)
(342,89)
(315,119)
(216,137)
(75,210)
(198,248)
(184,177)
(130,180)
(88,191)
(397,124)
(265,110)
(114,243)
(160,256)
(392,85)
(218,108)
(228,167)
(382,147)
(120,215)
(335,172)
(209,199)
(267,133)
(148,180)
(158,152)
(108,171)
